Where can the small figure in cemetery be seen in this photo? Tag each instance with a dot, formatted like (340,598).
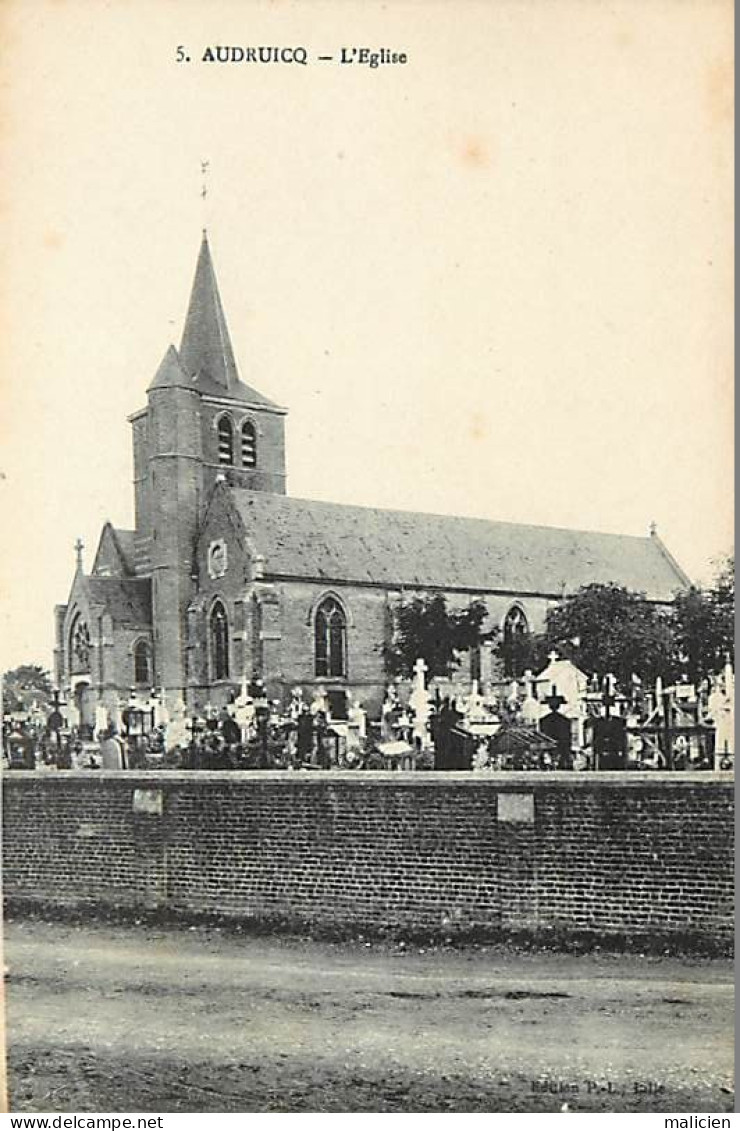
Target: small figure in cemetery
(230,729)
(322,744)
(305,734)
(680,753)
(389,714)
(557,727)
(262,722)
(112,751)
(448,718)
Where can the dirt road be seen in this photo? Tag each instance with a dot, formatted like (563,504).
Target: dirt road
(137,1018)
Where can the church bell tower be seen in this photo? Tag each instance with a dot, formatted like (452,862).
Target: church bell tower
(201,424)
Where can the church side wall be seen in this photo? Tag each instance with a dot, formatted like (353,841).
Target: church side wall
(630,854)
(366,612)
(124,639)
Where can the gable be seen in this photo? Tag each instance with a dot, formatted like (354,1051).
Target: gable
(115,553)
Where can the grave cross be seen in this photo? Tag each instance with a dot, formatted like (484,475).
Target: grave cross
(608,697)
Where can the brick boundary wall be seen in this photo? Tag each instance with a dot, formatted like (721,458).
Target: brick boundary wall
(603,853)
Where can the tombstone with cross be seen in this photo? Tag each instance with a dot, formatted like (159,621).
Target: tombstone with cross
(419,702)
(610,731)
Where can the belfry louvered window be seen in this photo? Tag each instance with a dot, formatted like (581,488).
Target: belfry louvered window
(249,444)
(225,441)
(219,642)
(330,639)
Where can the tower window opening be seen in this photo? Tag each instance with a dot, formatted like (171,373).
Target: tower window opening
(249,444)
(225,442)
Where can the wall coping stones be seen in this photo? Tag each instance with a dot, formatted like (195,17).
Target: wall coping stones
(503,780)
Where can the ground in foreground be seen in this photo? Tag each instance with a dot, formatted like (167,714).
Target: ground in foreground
(152,1019)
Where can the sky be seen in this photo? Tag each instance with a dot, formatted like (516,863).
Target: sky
(494,281)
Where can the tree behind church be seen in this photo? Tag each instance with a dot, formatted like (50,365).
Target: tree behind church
(705,624)
(609,629)
(425,628)
(23,685)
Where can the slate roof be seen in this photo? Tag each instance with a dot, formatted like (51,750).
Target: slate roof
(127,599)
(125,539)
(335,542)
(206,356)
(123,545)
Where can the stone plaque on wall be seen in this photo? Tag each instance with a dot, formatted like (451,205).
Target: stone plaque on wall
(516,808)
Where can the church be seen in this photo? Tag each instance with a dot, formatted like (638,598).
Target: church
(225,577)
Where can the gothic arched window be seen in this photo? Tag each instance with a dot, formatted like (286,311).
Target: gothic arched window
(142,663)
(516,640)
(330,639)
(219,642)
(249,444)
(79,645)
(225,441)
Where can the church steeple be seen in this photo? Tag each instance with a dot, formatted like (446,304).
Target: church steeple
(206,353)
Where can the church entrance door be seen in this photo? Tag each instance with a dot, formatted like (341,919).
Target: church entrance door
(85,701)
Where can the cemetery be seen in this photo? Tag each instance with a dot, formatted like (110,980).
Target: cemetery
(318,714)
(555,719)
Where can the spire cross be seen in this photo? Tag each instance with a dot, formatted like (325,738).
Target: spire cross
(79,547)
(204,174)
